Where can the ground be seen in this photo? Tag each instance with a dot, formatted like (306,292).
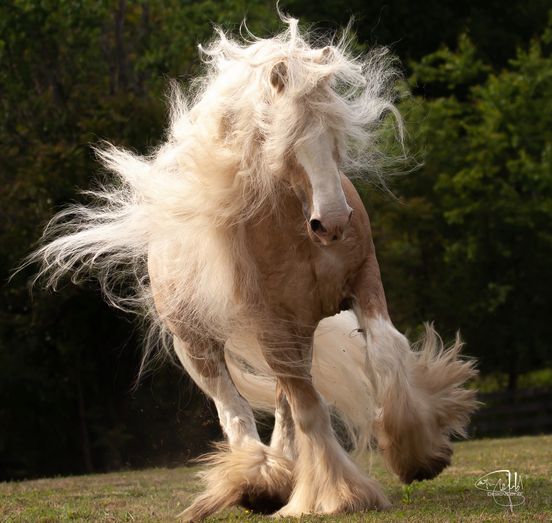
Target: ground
(158,495)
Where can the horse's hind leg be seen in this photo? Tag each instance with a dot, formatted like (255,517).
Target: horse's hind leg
(283,435)
(325,478)
(246,471)
(420,393)
(204,361)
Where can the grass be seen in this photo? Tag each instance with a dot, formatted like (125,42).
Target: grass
(157,495)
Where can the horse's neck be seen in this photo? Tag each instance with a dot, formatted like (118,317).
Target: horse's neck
(281,215)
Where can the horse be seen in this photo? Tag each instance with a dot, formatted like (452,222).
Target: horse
(244,243)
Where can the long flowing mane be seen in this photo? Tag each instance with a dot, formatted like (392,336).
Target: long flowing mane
(222,163)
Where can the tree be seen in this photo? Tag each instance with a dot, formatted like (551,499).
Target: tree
(472,242)
(71,74)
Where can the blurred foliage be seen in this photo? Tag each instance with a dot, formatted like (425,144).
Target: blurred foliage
(471,242)
(498,381)
(467,242)
(416,29)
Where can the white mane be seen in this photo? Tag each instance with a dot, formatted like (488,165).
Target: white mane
(323,88)
(224,158)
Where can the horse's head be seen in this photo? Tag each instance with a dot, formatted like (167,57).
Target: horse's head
(282,109)
(317,182)
(313,143)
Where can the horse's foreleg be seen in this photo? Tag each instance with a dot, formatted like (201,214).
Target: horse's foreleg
(245,472)
(325,478)
(420,393)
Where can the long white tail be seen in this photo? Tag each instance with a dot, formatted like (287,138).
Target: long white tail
(153,207)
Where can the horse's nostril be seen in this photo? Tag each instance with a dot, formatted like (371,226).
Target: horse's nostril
(316,226)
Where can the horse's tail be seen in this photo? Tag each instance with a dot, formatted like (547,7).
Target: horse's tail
(346,372)
(106,238)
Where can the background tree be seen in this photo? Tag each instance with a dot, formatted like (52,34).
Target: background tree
(470,242)
(71,74)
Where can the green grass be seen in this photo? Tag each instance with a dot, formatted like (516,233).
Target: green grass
(160,494)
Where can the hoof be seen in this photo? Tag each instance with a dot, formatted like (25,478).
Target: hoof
(429,470)
(262,503)
(254,476)
(348,494)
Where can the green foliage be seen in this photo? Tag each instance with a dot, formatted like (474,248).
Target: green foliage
(477,215)
(416,29)
(451,69)
(498,381)
(71,74)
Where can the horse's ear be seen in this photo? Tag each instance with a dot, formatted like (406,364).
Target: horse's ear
(278,76)
(325,55)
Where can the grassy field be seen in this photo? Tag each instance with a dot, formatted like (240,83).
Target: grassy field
(160,494)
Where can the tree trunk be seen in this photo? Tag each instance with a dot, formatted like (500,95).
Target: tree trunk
(85,439)
(512,379)
(120,52)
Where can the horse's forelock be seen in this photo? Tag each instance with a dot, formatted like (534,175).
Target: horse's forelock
(258,97)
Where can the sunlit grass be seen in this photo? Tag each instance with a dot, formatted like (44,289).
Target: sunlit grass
(160,494)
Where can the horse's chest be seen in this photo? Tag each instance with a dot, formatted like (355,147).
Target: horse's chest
(297,277)
(330,278)
(309,281)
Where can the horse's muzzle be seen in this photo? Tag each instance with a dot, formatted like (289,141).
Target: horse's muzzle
(329,229)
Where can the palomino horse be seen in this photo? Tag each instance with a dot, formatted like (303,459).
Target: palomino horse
(236,238)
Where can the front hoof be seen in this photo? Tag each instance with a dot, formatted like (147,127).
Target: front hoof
(341,496)
(430,469)
(263,502)
(253,475)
